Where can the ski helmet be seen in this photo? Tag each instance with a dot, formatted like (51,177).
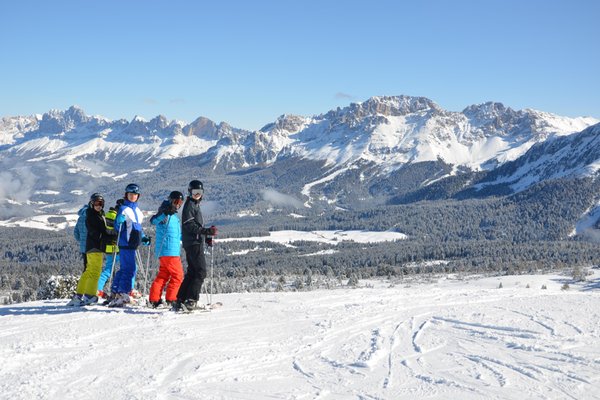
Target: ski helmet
(132,188)
(176,198)
(96,198)
(195,185)
(175,195)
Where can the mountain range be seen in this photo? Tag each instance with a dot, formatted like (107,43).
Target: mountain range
(385,150)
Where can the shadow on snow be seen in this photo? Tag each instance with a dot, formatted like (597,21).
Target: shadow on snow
(52,309)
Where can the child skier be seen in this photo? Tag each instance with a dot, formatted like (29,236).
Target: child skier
(129,228)
(112,253)
(168,250)
(97,236)
(193,237)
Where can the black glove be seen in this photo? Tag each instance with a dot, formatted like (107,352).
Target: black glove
(209,241)
(170,210)
(212,231)
(146,240)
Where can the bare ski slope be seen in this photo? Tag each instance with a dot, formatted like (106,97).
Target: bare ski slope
(448,339)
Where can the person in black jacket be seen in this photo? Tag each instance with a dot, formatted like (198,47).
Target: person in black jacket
(193,236)
(97,237)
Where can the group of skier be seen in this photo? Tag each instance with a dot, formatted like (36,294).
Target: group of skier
(118,233)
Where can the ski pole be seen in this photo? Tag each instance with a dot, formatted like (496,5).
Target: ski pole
(112,267)
(138,262)
(205,286)
(146,288)
(212,250)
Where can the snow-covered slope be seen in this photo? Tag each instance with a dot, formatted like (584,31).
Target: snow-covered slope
(576,155)
(453,339)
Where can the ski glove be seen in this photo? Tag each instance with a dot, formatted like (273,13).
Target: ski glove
(209,241)
(170,210)
(212,231)
(146,240)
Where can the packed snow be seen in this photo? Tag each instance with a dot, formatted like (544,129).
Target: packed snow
(329,237)
(449,338)
(47,222)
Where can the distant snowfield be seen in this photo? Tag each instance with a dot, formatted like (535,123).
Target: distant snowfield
(48,222)
(451,339)
(330,237)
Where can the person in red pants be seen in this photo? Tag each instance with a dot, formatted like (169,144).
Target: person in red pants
(168,251)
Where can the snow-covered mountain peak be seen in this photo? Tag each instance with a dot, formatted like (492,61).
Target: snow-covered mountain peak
(398,105)
(286,124)
(56,121)
(201,127)
(488,111)
(380,106)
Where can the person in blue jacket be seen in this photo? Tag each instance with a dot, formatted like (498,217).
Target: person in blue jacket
(167,248)
(112,254)
(128,226)
(80,233)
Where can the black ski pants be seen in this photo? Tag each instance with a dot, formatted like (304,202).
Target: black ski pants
(195,275)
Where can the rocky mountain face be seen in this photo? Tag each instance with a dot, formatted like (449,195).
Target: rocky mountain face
(392,147)
(558,157)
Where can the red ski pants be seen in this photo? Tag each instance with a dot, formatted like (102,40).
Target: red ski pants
(170,274)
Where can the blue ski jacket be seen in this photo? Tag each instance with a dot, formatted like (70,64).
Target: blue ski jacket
(129,226)
(168,233)
(80,231)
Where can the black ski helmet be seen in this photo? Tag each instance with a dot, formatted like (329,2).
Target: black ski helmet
(175,195)
(96,197)
(195,184)
(132,188)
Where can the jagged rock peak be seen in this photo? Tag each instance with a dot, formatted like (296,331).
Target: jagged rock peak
(487,111)
(159,122)
(285,123)
(398,105)
(201,127)
(384,106)
(55,121)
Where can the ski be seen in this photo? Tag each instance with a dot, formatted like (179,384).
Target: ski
(200,308)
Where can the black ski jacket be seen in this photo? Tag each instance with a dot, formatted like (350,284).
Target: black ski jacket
(98,235)
(192,224)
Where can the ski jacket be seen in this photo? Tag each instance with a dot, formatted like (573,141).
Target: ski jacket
(129,226)
(80,231)
(97,232)
(168,233)
(111,244)
(191,223)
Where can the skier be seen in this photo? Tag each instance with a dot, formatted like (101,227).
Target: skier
(193,237)
(97,236)
(111,251)
(129,228)
(168,250)
(80,233)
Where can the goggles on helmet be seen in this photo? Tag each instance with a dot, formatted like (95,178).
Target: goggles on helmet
(196,192)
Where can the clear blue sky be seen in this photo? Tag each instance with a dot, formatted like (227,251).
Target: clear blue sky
(247,62)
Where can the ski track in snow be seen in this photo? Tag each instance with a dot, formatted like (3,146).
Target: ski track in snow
(443,340)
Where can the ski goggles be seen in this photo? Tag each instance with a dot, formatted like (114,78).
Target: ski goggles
(196,192)
(177,202)
(98,203)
